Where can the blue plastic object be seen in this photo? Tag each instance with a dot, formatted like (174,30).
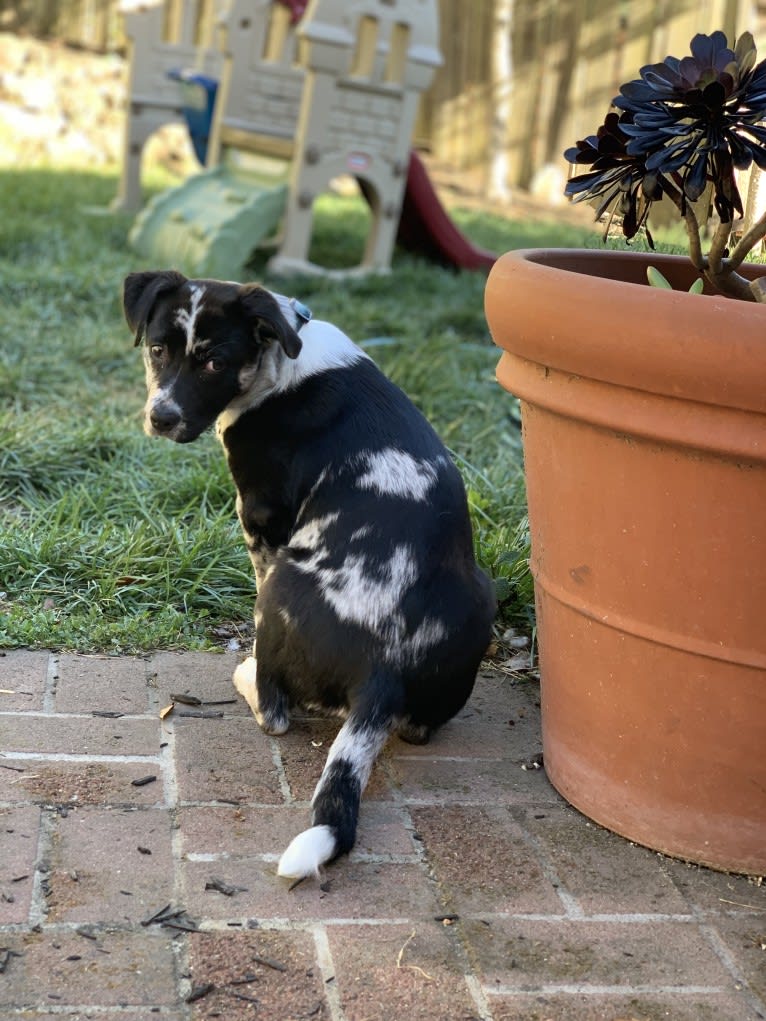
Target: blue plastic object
(198,92)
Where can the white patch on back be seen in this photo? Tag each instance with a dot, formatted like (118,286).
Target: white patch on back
(430,632)
(309,535)
(358,596)
(312,493)
(372,599)
(187,318)
(393,472)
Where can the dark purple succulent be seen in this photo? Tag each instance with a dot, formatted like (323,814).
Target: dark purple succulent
(617,178)
(689,122)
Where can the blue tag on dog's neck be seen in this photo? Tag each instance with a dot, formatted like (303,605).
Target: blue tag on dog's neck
(303,312)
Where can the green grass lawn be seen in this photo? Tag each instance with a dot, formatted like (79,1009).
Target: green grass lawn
(113,541)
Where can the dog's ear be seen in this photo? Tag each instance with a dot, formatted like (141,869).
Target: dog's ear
(140,292)
(268,322)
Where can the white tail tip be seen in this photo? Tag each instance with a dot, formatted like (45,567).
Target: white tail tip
(307,853)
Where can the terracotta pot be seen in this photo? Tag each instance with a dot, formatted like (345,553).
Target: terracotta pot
(644,418)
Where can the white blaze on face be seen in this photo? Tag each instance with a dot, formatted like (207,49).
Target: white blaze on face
(187,318)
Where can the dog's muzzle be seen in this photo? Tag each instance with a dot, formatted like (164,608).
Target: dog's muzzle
(165,418)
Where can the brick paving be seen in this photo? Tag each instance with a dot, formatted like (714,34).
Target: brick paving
(474,891)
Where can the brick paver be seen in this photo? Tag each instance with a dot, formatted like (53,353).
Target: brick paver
(474,891)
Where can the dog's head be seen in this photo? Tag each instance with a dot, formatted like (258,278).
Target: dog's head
(207,343)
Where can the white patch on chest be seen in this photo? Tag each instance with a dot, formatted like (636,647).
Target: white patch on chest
(187,318)
(392,472)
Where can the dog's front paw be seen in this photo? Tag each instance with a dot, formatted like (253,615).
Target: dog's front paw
(272,720)
(244,681)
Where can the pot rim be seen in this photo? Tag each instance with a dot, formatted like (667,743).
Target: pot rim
(710,348)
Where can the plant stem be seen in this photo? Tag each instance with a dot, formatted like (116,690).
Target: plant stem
(727,281)
(719,271)
(718,247)
(722,272)
(695,242)
(747,242)
(712,266)
(731,283)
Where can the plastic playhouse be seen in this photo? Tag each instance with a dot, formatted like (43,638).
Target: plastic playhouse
(162,39)
(300,101)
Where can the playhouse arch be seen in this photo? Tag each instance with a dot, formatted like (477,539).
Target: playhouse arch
(296,107)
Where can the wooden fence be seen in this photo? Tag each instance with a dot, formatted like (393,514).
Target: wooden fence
(568,59)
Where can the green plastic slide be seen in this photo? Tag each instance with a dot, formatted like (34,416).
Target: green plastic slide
(210,225)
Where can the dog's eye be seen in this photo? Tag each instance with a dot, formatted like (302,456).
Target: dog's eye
(214,365)
(156,351)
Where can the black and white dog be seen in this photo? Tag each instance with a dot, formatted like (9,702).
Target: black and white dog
(369,600)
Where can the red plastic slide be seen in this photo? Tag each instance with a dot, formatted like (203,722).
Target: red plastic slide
(425,226)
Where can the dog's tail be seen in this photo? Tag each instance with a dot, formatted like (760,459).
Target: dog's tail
(336,799)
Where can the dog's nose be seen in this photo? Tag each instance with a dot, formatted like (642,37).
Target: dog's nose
(164,418)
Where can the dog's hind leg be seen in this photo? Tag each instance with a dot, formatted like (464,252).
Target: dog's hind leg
(414,733)
(335,805)
(266,700)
